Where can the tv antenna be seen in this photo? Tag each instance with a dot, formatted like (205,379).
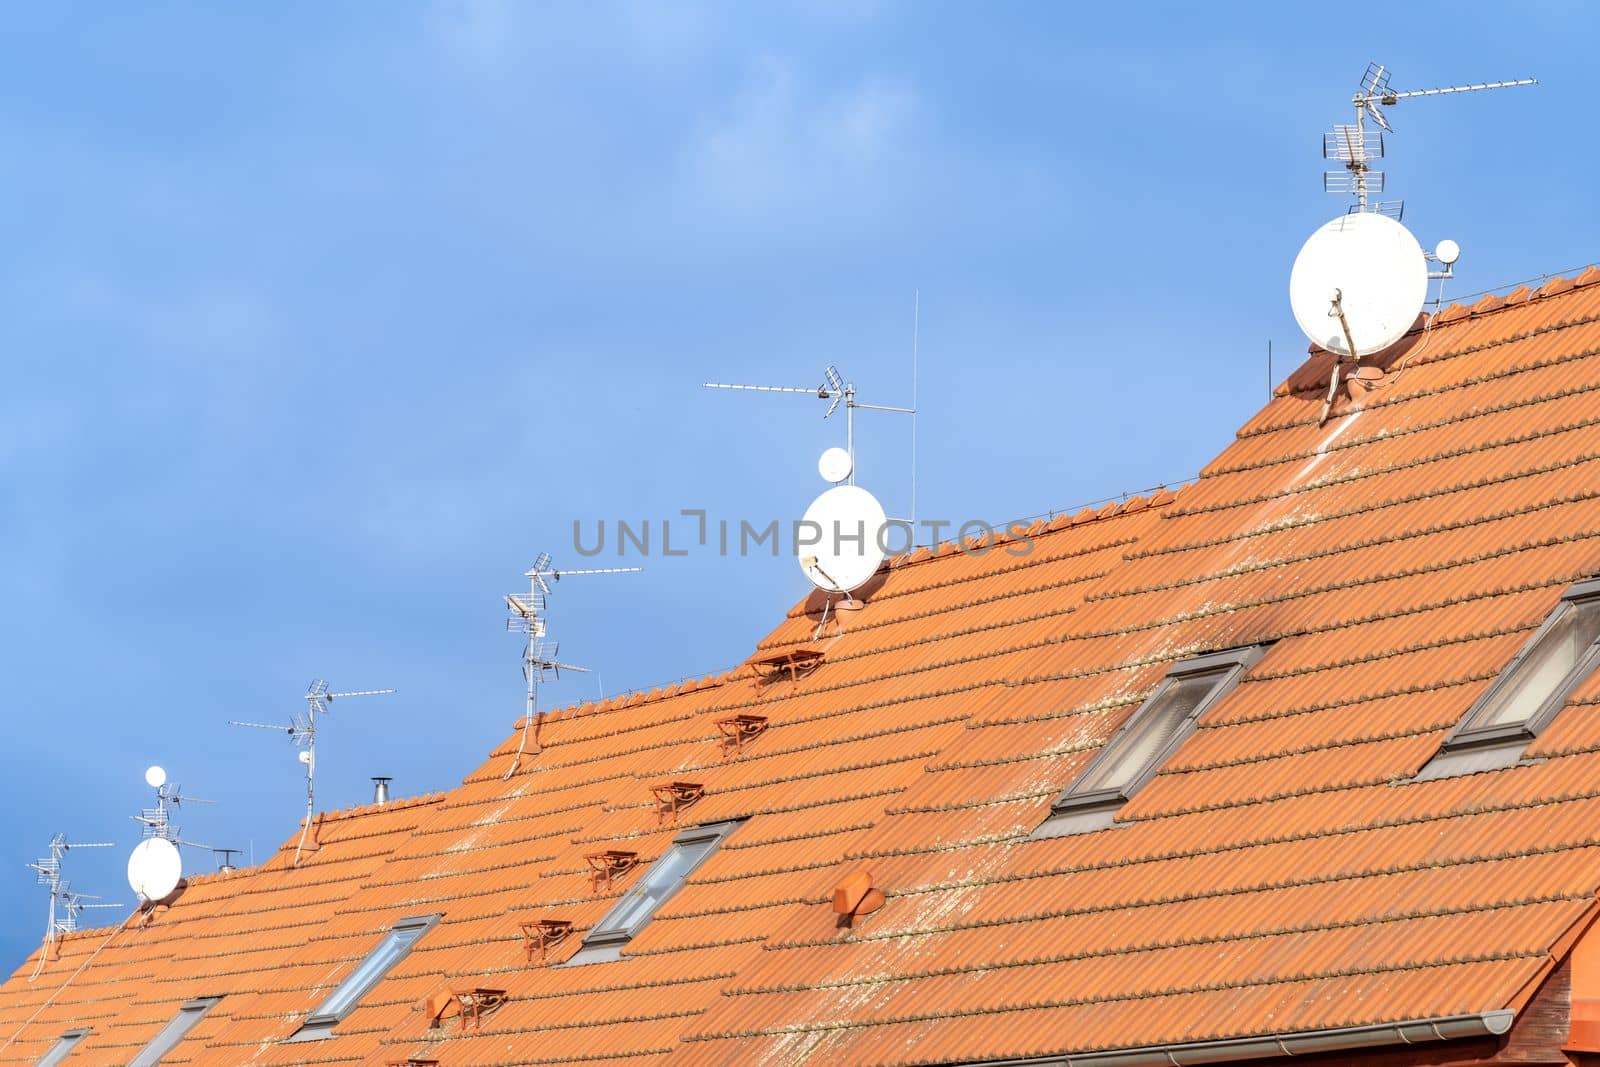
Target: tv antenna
(1360,280)
(539,654)
(65,905)
(157,821)
(302,731)
(836,390)
(1356,147)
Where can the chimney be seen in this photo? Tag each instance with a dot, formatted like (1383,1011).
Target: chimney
(380,790)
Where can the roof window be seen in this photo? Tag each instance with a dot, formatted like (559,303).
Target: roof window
(173,1032)
(1131,758)
(665,877)
(343,1000)
(62,1047)
(1529,692)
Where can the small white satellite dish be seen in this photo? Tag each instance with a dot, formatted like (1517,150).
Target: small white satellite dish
(305,757)
(1447,252)
(835,465)
(1381,276)
(154,868)
(155,777)
(847,523)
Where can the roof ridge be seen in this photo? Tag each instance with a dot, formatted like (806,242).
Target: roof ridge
(1554,286)
(362,810)
(922,554)
(1039,527)
(1518,293)
(635,697)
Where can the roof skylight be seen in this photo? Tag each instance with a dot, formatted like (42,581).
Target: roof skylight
(665,877)
(62,1047)
(343,1000)
(1132,757)
(1529,692)
(173,1032)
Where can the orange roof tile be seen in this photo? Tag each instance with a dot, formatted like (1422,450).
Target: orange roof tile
(1281,873)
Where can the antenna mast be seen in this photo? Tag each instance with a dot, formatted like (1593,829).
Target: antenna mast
(538,655)
(65,905)
(157,821)
(302,731)
(1356,147)
(836,390)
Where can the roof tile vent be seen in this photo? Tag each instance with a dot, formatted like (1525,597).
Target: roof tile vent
(855,898)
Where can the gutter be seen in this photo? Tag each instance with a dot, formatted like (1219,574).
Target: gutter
(1299,1043)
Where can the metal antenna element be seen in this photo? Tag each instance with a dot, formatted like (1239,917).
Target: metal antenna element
(1355,147)
(539,655)
(835,389)
(302,731)
(157,821)
(916,336)
(65,905)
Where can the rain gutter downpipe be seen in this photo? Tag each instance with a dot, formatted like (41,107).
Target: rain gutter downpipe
(1299,1043)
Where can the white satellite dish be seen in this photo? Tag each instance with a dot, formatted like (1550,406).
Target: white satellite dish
(1379,273)
(154,868)
(835,465)
(848,523)
(155,777)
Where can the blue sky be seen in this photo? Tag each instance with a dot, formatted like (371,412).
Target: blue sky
(319,321)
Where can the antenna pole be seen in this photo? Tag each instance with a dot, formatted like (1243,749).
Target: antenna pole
(302,731)
(850,427)
(527,617)
(311,799)
(916,332)
(48,870)
(1361,172)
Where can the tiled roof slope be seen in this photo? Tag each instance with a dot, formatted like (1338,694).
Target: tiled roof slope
(247,936)
(1282,873)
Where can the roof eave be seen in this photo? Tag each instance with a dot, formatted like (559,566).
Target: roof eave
(1299,1043)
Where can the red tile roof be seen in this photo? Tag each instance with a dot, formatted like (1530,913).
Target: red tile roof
(1281,873)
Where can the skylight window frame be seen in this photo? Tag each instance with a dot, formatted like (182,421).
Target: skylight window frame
(1077,809)
(172,1034)
(63,1047)
(320,1023)
(606,938)
(1468,734)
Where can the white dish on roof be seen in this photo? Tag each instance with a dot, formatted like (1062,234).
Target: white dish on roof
(154,868)
(1377,268)
(845,529)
